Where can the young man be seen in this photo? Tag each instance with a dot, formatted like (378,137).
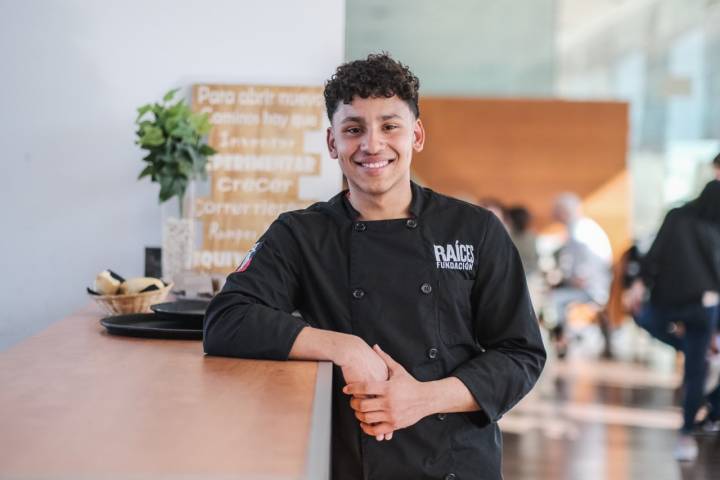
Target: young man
(417,298)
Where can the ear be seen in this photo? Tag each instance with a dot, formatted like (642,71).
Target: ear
(330,138)
(418,136)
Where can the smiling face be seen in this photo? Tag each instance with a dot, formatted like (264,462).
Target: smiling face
(373,140)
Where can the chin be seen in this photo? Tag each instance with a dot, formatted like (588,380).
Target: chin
(375,187)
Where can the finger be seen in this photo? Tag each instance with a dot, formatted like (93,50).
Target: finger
(388,436)
(371,417)
(376,429)
(365,388)
(367,404)
(392,365)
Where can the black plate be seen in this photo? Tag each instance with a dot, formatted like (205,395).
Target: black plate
(153,326)
(181,308)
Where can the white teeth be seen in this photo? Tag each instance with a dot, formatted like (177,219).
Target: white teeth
(376,164)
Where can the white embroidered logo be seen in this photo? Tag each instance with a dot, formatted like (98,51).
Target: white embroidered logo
(455,256)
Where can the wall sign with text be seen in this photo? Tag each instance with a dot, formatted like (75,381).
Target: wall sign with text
(272,157)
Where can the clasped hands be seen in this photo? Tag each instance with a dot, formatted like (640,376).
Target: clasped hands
(385,397)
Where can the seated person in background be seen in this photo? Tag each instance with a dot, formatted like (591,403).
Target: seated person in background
(584,266)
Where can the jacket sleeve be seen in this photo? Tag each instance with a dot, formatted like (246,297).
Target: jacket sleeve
(505,325)
(251,317)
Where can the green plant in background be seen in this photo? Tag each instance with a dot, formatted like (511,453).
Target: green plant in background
(174,137)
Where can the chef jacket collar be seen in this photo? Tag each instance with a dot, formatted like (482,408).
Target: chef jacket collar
(416,204)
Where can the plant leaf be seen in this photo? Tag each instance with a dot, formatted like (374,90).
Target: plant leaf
(207,150)
(170,94)
(201,123)
(142,111)
(151,136)
(185,167)
(149,170)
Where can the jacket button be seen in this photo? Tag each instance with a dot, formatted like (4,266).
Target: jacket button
(360,227)
(450,476)
(426,288)
(441,416)
(358,293)
(432,353)
(411,223)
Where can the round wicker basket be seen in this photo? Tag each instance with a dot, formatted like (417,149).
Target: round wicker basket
(132,303)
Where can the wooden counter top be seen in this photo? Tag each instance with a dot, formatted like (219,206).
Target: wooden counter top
(76,402)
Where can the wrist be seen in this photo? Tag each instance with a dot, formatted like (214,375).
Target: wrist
(449,395)
(430,393)
(342,348)
(318,344)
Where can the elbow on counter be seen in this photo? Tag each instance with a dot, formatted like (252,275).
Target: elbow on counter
(234,328)
(223,330)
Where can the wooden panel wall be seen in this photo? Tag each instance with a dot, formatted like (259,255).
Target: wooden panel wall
(527,151)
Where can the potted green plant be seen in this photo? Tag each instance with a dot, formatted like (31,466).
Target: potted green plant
(174,138)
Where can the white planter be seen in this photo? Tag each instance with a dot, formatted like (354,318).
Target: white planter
(178,236)
(178,243)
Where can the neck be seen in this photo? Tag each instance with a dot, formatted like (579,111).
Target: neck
(387,206)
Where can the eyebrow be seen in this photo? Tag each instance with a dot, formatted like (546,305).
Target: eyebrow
(362,120)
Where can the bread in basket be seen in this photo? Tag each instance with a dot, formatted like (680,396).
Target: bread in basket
(132,302)
(118,296)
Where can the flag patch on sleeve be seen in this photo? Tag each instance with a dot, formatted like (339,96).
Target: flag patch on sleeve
(249,257)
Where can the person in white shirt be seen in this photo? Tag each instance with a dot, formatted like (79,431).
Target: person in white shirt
(584,263)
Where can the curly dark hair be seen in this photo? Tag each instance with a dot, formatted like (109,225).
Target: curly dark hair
(377,76)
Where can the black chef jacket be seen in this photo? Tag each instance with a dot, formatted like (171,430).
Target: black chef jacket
(442,292)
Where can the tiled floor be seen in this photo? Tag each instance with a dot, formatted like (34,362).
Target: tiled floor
(593,420)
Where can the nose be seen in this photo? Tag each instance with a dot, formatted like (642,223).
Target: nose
(373,142)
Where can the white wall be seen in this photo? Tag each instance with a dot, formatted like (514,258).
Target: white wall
(73,72)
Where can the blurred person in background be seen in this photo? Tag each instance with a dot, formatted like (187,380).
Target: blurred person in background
(681,271)
(518,220)
(496,207)
(525,240)
(584,262)
(716,166)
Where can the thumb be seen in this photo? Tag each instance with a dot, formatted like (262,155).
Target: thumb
(392,365)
